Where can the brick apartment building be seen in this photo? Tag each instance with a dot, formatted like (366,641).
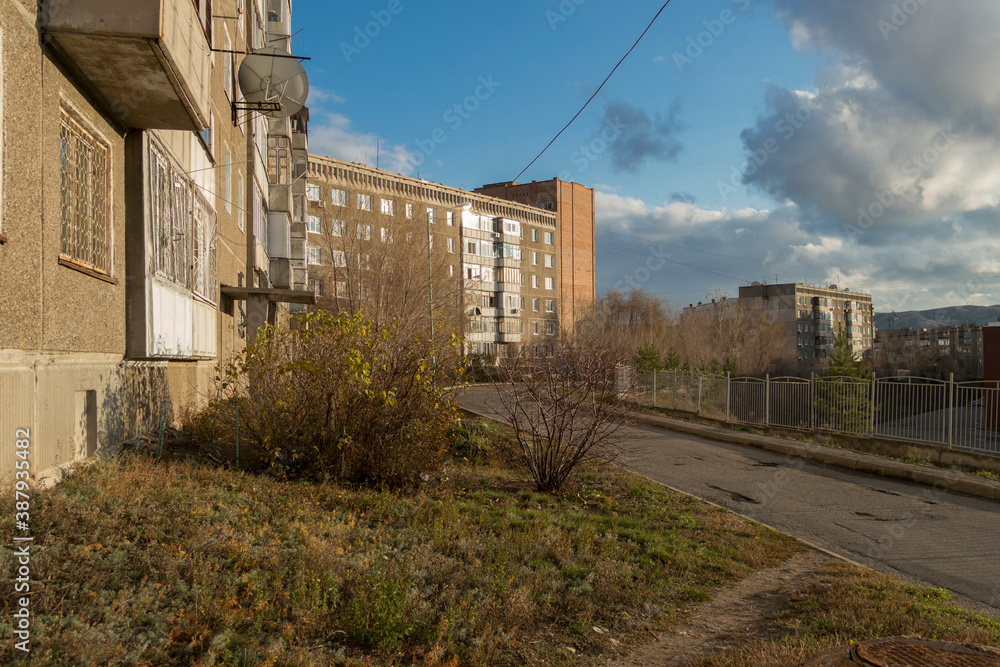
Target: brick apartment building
(813,315)
(573,205)
(497,265)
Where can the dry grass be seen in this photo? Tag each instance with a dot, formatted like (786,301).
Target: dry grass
(172,563)
(851,604)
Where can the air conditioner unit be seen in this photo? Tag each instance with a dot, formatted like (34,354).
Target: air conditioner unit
(514,311)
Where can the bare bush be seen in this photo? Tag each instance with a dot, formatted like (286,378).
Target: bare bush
(564,410)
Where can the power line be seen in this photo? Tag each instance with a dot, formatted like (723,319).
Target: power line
(587,103)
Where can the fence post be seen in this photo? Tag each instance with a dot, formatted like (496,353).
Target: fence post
(654,387)
(767,400)
(872,401)
(812,400)
(728,393)
(675,391)
(700,378)
(951,410)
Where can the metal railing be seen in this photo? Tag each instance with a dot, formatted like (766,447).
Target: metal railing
(960,415)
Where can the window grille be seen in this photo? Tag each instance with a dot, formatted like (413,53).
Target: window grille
(84,194)
(170,219)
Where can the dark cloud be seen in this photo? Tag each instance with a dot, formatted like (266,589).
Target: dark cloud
(635,138)
(901,131)
(684,197)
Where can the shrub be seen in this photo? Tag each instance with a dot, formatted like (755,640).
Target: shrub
(336,398)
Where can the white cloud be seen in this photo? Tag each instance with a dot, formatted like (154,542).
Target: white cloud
(331,134)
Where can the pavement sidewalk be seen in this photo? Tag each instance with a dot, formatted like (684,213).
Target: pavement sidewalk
(869,463)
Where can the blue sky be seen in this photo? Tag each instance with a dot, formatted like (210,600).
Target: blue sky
(743,138)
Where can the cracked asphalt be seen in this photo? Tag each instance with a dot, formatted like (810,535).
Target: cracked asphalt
(920,533)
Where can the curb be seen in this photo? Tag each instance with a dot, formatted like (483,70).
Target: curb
(843,458)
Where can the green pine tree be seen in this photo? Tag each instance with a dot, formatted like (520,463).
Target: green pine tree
(843,397)
(647,359)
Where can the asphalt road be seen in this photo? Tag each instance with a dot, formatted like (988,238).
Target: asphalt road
(919,533)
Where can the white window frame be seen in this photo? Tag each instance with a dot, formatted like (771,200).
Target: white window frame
(534,236)
(534,281)
(550,305)
(450,217)
(338,228)
(314,256)
(388,207)
(430,216)
(451,245)
(550,261)
(338,197)
(313,192)
(550,283)
(550,238)
(534,258)
(364,202)
(409,211)
(339,260)
(316,228)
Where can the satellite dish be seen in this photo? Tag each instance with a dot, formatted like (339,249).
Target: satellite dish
(275,78)
(832,287)
(755,283)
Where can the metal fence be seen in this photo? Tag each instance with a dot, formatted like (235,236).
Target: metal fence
(961,415)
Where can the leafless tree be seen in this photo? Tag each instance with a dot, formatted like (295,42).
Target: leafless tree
(377,265)
(565,410)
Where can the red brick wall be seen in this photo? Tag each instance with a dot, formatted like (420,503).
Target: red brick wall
(573,205)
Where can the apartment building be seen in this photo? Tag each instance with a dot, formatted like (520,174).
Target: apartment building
(573,206)
(377,240)
(937,352)
(813,315)
(141,215)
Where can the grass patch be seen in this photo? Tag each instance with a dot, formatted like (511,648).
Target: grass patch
(139,562)
(849,605)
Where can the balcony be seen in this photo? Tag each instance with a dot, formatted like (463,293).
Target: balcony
(147,61)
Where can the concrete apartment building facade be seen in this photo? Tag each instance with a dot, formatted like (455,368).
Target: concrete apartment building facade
(136,211)
(813,315)
(573,205)
(938,352)
(496,261)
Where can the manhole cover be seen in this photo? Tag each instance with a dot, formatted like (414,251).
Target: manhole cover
(920,653)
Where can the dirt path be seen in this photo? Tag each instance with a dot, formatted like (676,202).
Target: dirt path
(732,615)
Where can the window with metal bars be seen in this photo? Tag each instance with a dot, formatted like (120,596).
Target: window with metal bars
(84,173)
(182,227)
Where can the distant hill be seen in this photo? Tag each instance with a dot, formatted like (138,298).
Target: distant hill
(938,317)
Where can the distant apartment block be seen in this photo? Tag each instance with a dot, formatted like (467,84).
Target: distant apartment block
(497,260)
(813,315)
(573,206)
(940,351)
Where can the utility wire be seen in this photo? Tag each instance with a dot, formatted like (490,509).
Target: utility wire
(587,103)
